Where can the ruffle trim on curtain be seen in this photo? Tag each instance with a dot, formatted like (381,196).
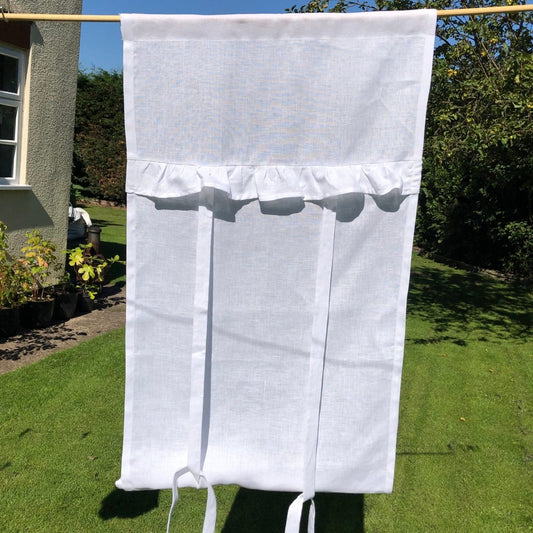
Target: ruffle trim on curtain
(267,183)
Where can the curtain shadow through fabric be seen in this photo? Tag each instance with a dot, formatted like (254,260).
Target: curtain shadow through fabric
(347,206)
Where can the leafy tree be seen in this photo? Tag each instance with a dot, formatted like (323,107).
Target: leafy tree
(99,139)
(320,6)
(478,156)
(476,202)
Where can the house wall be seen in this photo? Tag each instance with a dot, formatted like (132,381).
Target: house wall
(48,128)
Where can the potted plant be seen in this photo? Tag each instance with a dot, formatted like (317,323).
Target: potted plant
(11,293)
(66,298)
(89,269)
(38,263)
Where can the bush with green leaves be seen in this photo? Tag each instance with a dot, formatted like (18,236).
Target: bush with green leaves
(99,167)
(12,276)
(89,268)
(478,159)
(37,265)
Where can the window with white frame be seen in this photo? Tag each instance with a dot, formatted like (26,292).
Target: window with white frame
(11,91)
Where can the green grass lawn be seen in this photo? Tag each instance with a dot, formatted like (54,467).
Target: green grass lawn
(465,444)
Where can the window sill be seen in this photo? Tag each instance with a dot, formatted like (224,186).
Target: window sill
(15,187)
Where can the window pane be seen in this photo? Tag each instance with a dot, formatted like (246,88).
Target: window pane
(9,67)
(7,158)
(8,120)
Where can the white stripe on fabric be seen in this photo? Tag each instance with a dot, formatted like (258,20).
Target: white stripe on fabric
(201,339)
(200,398)
(316,369)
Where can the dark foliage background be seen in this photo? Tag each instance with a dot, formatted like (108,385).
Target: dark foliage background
(99,168)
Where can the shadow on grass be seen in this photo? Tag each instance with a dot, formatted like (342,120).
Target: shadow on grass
(467,306)
(266,512)
(109,248)
(123,504)
(104,223)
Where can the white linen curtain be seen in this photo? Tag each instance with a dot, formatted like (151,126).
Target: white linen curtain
(273,170)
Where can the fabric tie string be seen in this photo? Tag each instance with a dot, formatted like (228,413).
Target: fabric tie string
(210,516)
(316,369)
(294,516)
(199,404)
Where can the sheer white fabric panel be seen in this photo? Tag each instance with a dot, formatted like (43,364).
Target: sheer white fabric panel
(263,298)
(273,170)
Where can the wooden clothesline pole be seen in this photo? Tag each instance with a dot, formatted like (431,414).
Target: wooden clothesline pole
(116,18)
(460,12)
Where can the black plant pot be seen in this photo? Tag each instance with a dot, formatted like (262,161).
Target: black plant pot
(66,303)
(85,304)
(37,314)
(9,321)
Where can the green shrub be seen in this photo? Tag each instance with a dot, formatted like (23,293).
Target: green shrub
(518,243)
(99,164)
